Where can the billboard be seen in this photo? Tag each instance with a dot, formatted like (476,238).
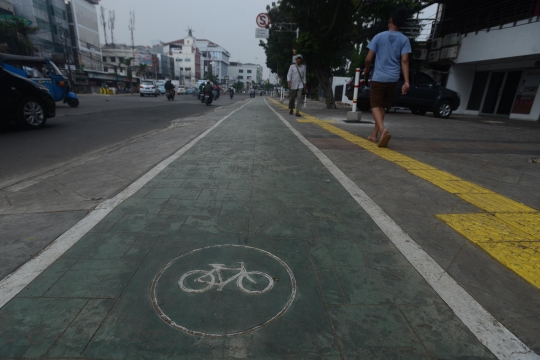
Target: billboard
(142,58)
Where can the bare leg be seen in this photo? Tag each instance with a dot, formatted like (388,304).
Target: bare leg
(378,116)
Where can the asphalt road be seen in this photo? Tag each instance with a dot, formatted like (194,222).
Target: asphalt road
(99,122)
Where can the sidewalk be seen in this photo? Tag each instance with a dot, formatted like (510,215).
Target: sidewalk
(313,276)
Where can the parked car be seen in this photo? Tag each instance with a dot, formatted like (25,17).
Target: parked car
(149,87)
(29,103)
(181,90)
(161,87)
(190,90)
(425,95)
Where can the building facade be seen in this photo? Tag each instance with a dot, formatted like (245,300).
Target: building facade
(186,58)
(492,61)
(215,58)
(84,30)
(51,17)
(249,74)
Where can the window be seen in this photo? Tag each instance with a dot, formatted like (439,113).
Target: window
(423,79)
(105,58)
(113,59)
(188,69)
(120,59)
(249,71)
(240,71)
(181,69)
(187,59)
(240,77)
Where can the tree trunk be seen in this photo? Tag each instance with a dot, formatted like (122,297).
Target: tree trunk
(323,77)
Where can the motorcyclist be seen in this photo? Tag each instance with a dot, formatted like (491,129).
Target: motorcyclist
(231,92)
(218,91)
(201,91)
(208,88)
(169,86)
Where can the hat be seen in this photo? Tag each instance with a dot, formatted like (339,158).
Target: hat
(299,56)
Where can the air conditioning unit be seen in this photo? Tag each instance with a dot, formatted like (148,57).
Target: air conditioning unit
(449,53)
(451,39)
(420,54)
(434,56)
(436,44)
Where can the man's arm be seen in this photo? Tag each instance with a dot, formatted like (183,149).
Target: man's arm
(289,76)
(369,60)
(405,69)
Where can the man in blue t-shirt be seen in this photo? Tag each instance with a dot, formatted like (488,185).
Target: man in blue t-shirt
(392,50)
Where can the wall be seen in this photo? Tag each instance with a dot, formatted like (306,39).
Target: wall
(521,40)
(461,79)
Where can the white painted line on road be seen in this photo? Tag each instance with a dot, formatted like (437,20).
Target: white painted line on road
(12,284)
(494,335)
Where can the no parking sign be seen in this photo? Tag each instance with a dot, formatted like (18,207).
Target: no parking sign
(263,20)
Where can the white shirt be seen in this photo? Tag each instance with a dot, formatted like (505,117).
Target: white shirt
(297,81)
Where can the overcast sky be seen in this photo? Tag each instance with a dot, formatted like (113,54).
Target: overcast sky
(229,23)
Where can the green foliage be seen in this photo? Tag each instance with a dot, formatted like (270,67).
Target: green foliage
(238,86)
(142,70)
(330,31)
(15,36)
(209,76)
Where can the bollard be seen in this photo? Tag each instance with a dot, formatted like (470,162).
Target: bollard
(354,115)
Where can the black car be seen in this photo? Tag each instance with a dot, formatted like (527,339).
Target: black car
(425,95)
(28,103)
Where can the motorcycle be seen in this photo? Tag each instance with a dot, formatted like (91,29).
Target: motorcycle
(209,100)
(231,94)
(170,94)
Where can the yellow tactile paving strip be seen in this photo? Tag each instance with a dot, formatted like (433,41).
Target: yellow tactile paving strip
(508,230)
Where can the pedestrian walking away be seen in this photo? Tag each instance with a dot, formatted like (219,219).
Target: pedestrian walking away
(296,79)
(392,50)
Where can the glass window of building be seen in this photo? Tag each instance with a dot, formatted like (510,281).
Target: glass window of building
(240,71)
(187,59)
(249,71)
(240,77)
(113,59)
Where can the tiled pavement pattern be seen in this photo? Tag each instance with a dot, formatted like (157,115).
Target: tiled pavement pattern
(509,231)
(249,182)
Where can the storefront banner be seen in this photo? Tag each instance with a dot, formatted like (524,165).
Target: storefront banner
(527,92)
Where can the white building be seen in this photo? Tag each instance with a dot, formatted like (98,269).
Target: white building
(247,73)
(494,61)
(187,59)
(84,31)
(214,57)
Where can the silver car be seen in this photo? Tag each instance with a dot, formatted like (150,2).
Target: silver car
(149,87)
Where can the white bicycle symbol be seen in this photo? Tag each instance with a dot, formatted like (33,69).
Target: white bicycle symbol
(209,278)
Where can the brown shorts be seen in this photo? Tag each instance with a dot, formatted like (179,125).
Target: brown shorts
(382,94)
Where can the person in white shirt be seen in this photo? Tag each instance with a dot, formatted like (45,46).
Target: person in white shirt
(296,77)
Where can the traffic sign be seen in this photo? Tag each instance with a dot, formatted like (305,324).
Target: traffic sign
(262,33)
(263,20)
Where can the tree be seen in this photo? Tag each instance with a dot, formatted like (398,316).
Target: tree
(238,86)
(127,63)
(329,31)
(209,76)
(15,36)
(142,70)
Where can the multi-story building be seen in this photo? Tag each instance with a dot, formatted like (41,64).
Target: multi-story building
(491,55)
(50,16)
(84,30)
(186,57)
(215,58)
(247,73)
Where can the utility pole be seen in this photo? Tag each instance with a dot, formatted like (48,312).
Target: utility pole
(104,24)
(132,28)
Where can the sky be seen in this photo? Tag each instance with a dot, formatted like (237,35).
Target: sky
(229,23)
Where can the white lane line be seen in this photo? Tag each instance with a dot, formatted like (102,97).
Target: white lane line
(494,335)
(12,284)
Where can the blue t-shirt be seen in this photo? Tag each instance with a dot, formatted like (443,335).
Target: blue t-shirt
(389,46)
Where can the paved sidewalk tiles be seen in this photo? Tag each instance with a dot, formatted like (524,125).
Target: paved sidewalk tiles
(505,221)
(244,247)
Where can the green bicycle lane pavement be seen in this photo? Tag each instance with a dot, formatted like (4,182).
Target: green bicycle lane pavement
(246,246)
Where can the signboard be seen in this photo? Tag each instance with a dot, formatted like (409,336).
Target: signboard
(527,92)
(225,78)
(262,33)
(263,20)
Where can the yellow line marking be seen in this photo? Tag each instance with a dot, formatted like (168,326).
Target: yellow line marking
(510,234)
(529,223)
(495,203)
(521,257)
(482,227)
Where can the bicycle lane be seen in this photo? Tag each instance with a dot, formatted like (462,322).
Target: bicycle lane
(252,198)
